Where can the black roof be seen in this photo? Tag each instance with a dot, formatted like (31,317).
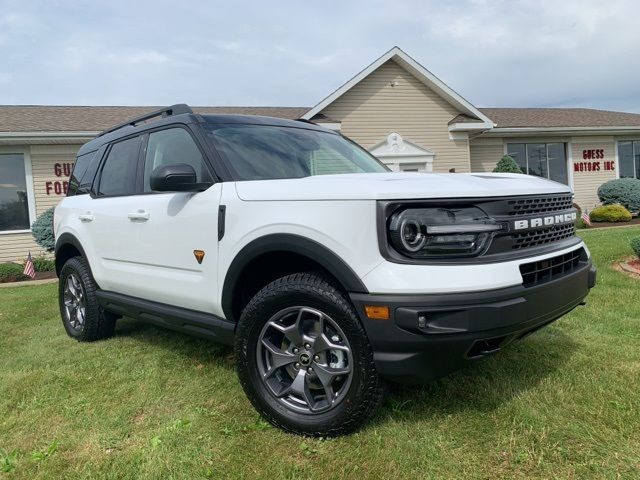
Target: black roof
(131,128)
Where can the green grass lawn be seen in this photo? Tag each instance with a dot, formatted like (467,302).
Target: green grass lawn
(563,403)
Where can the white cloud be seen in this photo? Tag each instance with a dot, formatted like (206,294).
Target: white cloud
(495,53)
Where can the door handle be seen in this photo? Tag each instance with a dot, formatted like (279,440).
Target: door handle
(139,215)
(85,217)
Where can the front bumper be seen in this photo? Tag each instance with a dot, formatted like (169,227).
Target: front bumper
(429,336)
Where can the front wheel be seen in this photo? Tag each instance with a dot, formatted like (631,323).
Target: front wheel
(304,360)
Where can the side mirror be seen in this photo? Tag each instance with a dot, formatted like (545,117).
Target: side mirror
(178,177)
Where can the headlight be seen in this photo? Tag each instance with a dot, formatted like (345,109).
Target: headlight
(441,232)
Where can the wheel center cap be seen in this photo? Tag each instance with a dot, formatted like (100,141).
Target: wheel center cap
(305,359)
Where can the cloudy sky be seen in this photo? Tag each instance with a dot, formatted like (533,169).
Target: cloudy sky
(293,53)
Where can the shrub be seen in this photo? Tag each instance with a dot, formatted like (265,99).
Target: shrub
(507,165)
(635,246)
(625,191)
(43,264)
(610,213)
(11,272)
(42,231)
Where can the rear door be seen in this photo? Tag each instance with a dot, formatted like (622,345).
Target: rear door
(104,217)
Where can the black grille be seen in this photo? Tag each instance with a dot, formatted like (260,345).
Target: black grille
(542,271)
(534,205)
(542,236)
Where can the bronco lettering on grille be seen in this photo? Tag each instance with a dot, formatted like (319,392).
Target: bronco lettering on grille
(544,221)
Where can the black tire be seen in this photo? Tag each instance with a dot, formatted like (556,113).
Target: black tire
(364,391)
(97,324)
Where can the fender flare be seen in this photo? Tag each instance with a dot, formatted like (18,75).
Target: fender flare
(67,239)
(282,242)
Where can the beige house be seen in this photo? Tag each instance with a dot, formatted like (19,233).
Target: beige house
(395,108)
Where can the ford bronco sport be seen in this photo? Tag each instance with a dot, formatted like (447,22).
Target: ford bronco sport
(327,272)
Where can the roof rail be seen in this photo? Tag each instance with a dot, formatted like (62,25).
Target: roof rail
(176,109)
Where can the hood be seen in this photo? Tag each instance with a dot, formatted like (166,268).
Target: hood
(397,186)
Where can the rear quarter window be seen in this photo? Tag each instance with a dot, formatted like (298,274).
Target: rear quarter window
(84,170)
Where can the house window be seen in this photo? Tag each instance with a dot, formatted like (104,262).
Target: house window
(548,160)
(14,203)
(629,159)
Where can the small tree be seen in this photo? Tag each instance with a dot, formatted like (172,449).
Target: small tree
(635,246)
(507,165)
(42,230)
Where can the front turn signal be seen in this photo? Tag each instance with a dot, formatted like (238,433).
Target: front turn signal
(377,312)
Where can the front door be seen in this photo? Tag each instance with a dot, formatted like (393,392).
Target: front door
(172,237)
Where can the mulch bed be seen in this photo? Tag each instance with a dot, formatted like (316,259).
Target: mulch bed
(39,276)
(631,267)
(635,221)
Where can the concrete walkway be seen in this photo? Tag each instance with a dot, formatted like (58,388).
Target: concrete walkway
(28,282)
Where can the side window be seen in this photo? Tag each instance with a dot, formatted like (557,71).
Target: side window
(118,175)
(326,160)
(171,146)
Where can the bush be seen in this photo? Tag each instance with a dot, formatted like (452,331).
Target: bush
(507,165)
(610,213)
(11,272)
(625,191)
(43,264)
(42,231)
(635,246)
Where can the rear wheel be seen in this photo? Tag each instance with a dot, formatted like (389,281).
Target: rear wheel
(304,359)
(82,316)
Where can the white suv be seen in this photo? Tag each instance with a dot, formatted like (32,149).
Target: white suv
(327,272)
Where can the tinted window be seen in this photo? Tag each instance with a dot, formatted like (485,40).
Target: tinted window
(547,160)
(171,146)
(119,172)
(14,206)
(537,159)
(79,172)
(629,159)
(557,162)
(517,152)
(262,152)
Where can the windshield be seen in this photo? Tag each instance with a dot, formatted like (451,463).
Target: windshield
(264,152)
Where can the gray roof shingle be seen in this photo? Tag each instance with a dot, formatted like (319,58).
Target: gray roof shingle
(40,118)
(560,117)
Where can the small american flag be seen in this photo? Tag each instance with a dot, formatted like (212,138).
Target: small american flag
(585,218)
(29,270)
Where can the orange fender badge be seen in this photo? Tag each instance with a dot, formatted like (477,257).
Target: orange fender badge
(199,254)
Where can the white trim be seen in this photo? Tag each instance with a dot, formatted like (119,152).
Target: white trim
(335,126)
(409,149)
(570,164)
(456,127)
(14,232)
(615,153)
(31,197)
(414,68)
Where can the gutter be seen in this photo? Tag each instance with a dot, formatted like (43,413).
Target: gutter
(563,130)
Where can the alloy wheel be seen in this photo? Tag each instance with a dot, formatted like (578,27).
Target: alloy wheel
(305,360)
(74,302)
